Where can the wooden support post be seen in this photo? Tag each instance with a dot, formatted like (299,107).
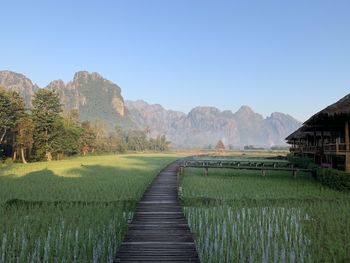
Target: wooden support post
(295,173)
(206,171)
(347,136)
(347,145)
(336,147)
(315,139)
(322,142)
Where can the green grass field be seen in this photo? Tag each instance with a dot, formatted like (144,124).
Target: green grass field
(74,210)
(240,216)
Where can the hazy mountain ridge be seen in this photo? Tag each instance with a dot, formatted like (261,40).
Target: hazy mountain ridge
(204,126)
(98,98)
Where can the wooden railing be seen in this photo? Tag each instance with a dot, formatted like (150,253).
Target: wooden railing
(262,166)
(334,148)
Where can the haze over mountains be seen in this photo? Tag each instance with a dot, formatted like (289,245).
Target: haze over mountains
(98,98)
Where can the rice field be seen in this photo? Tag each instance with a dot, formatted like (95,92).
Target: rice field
(73,210)
(240,216)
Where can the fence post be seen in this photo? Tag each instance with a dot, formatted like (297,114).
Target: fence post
(294,173)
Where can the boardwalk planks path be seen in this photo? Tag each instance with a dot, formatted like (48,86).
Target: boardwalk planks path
(159,231)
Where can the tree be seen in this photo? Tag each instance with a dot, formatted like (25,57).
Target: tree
(11,109)
(160,143)
(220,146)
(99,128)
(136,140)
(46,116)
(67,138)
(120,139)
(87,138)
(24,138)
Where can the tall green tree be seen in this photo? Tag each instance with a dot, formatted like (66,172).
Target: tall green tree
(24,136)
(121,145)
(160,143)
(66,138)
(46,116)
(11,109)
(136,140)
(100,129)
(87,138)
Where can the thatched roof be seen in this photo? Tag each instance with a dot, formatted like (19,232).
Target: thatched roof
(299,133)
(325,120)
(293,135)
(307,130)
(340,108)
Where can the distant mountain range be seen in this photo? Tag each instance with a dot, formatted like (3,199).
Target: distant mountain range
(98,98)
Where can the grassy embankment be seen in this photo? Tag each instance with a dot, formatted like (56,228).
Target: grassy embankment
(240,216)
(73,210)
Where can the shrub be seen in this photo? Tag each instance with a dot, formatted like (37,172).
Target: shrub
(335,179)
(301,162)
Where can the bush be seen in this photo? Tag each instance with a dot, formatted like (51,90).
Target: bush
(335,179)
(301,162)
(332,178)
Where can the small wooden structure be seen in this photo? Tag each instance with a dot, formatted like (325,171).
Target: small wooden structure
(325,136)
(220,146)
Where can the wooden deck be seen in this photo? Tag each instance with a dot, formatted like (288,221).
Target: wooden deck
(159,231)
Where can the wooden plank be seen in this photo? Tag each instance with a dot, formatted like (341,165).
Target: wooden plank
(159,231)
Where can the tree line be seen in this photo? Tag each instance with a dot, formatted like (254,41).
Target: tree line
(46,131)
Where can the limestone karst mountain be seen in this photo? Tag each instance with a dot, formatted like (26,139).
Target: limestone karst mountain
(97,98)
(20,83)
(204,126)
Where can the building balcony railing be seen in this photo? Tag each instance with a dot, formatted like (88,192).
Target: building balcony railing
(330,148)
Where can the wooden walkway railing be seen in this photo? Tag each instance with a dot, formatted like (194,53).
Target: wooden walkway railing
(159,231)
(262,166)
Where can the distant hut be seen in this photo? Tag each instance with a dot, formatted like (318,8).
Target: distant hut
(220,146)
(325,136)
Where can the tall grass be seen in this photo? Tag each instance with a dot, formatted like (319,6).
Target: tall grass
(74,210)
(240,216)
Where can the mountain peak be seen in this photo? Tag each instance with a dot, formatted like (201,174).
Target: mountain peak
(205,110)
(283,117)
(56,84)
(12,74)
(85,75)
(19,83)
(245,109)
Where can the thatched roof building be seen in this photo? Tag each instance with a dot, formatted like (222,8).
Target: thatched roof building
(325,136)
(340,109)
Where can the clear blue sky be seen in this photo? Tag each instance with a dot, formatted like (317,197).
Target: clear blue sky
(288,56)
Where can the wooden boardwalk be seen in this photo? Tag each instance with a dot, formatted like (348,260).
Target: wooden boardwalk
(159,231)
